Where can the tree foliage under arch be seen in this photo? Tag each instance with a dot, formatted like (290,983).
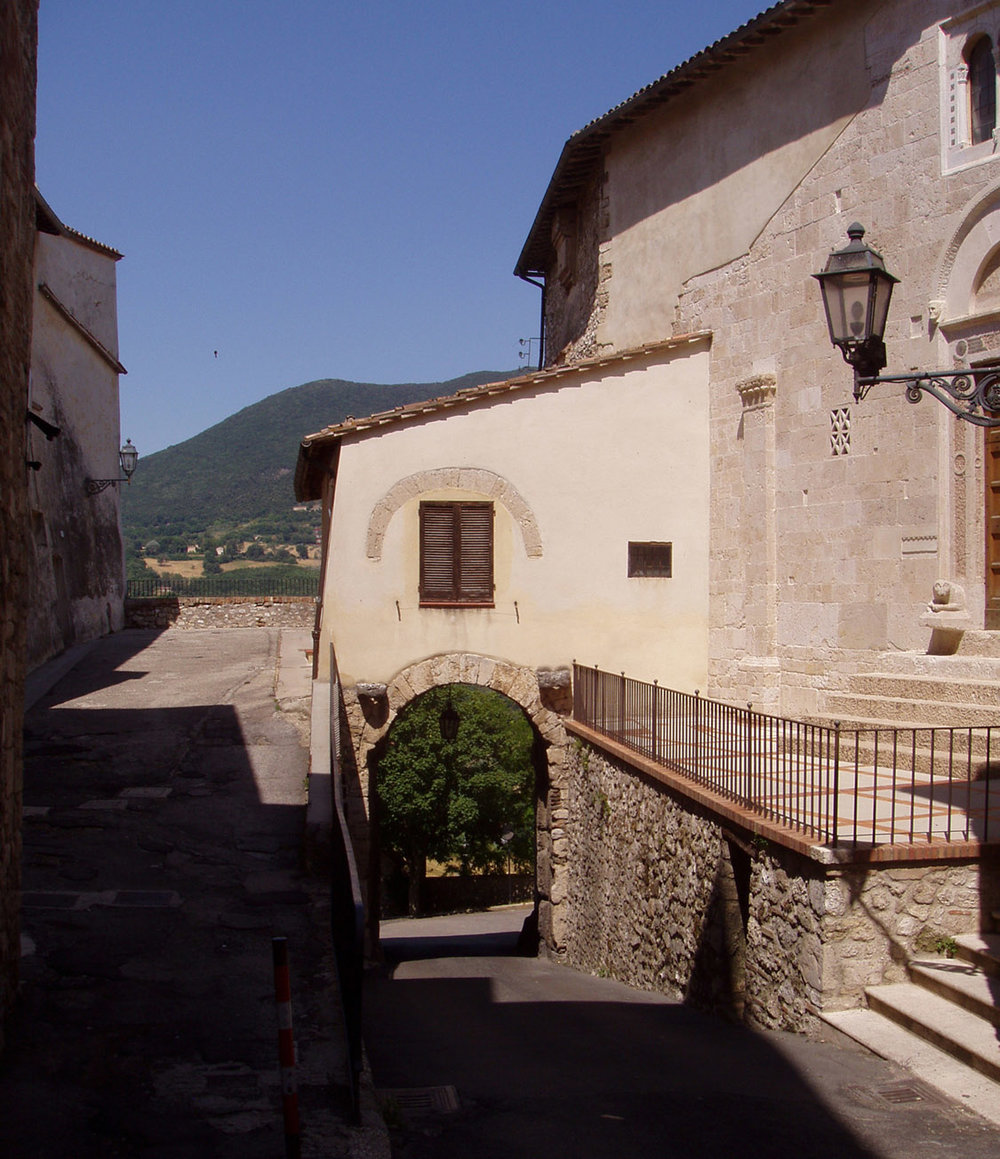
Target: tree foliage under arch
(469,801)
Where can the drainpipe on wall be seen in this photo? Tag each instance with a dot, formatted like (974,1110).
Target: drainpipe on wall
(541,324)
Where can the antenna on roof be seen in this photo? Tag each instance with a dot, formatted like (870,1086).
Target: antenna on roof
(526,354)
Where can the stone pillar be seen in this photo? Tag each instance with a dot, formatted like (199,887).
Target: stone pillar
(18,42)
(759,541)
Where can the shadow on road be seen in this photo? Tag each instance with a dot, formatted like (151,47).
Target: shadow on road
(545,1060)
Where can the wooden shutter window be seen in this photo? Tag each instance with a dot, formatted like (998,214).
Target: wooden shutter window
(456,553)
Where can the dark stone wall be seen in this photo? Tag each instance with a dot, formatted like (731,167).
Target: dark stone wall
(18,44)
(575,302)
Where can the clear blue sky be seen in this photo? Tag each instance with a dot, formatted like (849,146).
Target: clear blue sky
(323,189)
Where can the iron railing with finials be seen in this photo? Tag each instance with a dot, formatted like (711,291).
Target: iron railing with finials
(231,584)
(835,786)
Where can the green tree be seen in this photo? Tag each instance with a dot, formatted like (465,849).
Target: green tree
(137,568)
(461,799)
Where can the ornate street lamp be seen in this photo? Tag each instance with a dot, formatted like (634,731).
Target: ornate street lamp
(448,722)
(856,290)
(128,457)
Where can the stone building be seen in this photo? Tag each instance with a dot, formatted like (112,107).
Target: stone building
(18,44)
(76,554)
(702,204)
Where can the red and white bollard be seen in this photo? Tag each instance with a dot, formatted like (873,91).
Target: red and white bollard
(286,1048)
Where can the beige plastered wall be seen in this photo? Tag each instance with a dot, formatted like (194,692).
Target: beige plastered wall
(575,470)
(78,571)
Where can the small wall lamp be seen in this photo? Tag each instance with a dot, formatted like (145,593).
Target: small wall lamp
(128,457)
(857,290)
(448,722)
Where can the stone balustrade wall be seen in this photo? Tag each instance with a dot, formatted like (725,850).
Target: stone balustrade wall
(662,896)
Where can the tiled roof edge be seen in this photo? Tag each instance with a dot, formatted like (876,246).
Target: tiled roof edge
(408,411)
(578,151)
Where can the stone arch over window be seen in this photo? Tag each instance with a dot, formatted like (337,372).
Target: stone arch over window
(476,479)
(965,280)
(541,694)
(982,84)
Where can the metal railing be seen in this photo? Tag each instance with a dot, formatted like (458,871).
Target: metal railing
(836,786)
(231,584)
(347,910)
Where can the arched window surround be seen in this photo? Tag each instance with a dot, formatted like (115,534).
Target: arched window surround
(982,89)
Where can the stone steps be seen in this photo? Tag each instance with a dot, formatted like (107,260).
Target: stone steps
(909,711)
(944,1024)
(936,687)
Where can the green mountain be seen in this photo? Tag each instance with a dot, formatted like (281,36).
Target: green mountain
(240,471)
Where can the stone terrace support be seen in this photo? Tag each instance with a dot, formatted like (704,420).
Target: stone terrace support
(221,612)
(664,896)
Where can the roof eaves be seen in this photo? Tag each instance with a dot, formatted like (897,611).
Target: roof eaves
(414,410)
(47,221)
(575,160)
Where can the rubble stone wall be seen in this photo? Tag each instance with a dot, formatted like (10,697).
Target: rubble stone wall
(18,43)
(662,896)
(221,612)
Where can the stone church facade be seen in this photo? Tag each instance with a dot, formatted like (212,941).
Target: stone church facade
(703,204)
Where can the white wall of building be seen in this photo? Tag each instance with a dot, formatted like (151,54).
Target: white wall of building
(599,457)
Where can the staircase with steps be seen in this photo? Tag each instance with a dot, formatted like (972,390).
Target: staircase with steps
(943,1024)
(907,689)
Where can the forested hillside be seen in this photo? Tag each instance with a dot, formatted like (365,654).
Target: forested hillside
(234,480)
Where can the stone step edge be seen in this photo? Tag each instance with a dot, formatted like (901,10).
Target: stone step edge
(982,950)
(914,712)
(960,982)
(966,1037)
(867,723)
(934,1067)
(985,681)
(896,697)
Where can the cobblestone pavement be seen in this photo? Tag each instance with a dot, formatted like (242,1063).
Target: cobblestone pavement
(164,803)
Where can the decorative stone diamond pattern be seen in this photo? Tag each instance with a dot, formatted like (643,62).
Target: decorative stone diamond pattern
(840,431)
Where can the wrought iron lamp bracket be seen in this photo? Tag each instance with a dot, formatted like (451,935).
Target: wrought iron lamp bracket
(96,486)
(969,394)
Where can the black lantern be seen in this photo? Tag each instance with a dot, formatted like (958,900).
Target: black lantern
(448,722)
(128,456)
(857,289)
(856,292)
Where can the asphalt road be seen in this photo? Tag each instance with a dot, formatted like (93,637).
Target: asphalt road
(479,1054)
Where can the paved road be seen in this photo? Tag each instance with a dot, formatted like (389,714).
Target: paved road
(549,1062)
(164,799)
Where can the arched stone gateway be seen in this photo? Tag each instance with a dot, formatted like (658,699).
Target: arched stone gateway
(543,694)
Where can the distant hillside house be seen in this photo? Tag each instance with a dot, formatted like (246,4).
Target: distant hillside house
(77,574)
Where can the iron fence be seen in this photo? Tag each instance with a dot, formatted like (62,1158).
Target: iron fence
(347,910)
(230,584)
(836,786)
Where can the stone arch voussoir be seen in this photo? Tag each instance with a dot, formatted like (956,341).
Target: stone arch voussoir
(521,685)
(461,478)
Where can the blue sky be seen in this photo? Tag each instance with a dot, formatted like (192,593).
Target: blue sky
(322,189)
